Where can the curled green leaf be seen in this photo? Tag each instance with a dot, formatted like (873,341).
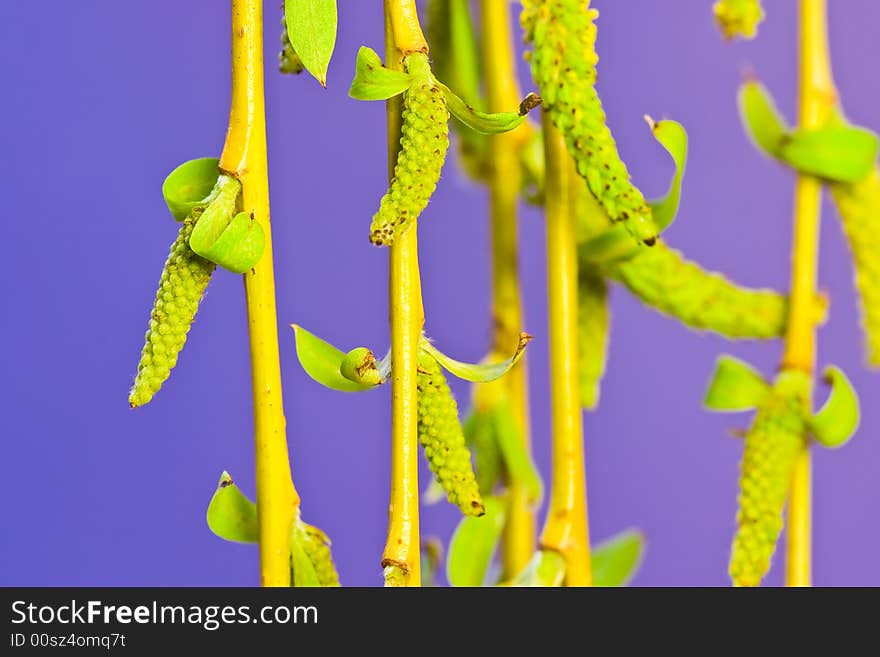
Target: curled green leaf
(615,561)
(289,63)
(231,515)
(545,568)
(311,28)
(674,138)
(477,372)
(233,241)
(838,419)
(189,185)
(484,122)
(735,386)
(836,151)
(473,544)
(372,81)
(322,361)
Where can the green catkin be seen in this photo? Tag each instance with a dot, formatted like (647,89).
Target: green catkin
(424,140)
(738,18)
(441,436)
(662,278)
(564,66)
(859,207)
(181,287)
(593,327)
(289,61)
(316,546)
(772,446)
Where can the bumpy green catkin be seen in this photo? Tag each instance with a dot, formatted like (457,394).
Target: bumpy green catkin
(442,438)
(183,282)
(593,327)
(859,207)
(316,546)
(738,18)
(772,446)
(424,140)
(662,278)
(564,66)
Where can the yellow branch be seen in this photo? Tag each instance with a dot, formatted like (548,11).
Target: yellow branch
(244,156)
(566,528)
(400,558)
(817,99)
(503,93)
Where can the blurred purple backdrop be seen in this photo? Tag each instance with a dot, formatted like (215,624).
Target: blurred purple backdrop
(104,98)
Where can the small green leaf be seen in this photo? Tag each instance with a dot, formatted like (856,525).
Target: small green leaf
(189,186)
(838,419)
(231,515)
(545,568)
(311,28)
(762,120)
(673,137)
(839,152)
(477,372)
(479,435)
(735,386)
(322,362)
(473,544)
(372,81)
(516,456)
(484,122)
(616,561)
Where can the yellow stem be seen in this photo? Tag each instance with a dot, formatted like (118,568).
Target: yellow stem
(817,99)
(566,528)
(502,92)
(401,558)
(244,156)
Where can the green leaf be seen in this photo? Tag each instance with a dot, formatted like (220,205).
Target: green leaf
(545,568)
(473,544)
(838,419)
(311,28)
(616,561)
(231,515)
(477,372)
(735,386)
(762,120)
(372,81)
(837,151)
(841,153)
(516,456)
(484,122)
(189,186)
(479,435)
(322,362)
(673,137)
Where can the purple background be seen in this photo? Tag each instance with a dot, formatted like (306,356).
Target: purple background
(104,98)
